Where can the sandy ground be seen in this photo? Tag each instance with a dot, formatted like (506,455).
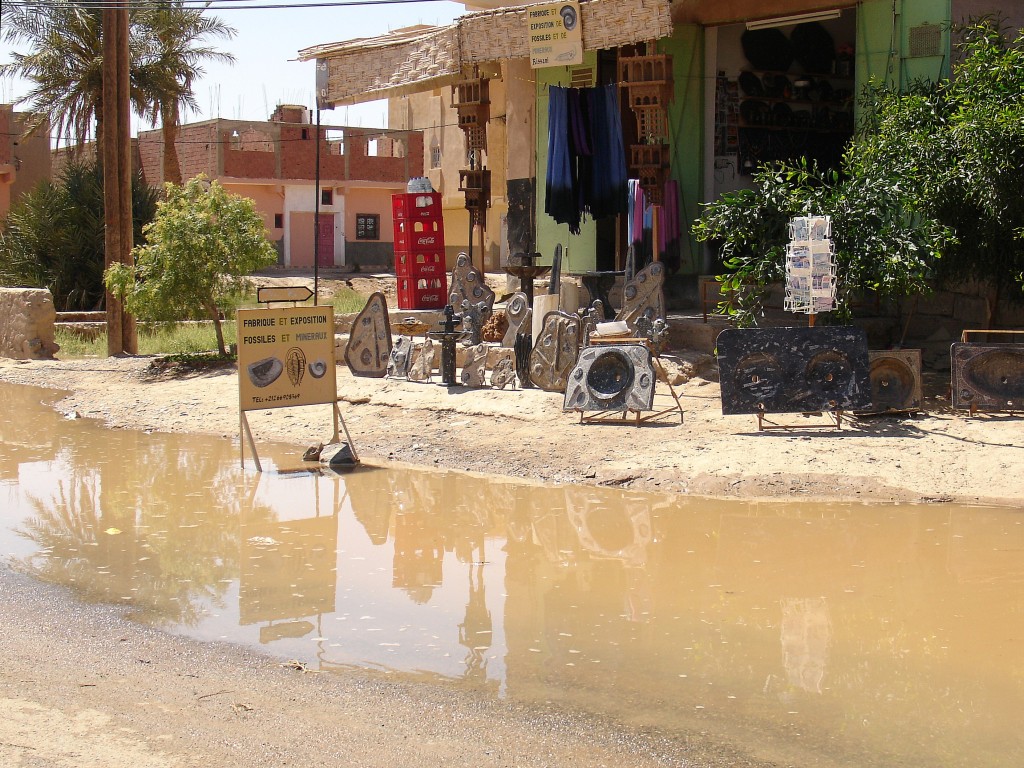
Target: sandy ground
(82,687)
(936,455)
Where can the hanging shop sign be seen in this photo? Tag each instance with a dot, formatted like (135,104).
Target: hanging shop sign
(286,357)
(556,37)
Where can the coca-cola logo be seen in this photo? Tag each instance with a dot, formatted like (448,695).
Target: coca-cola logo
(431,297)
(425,241)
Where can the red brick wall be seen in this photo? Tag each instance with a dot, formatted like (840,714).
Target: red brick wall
(211,147)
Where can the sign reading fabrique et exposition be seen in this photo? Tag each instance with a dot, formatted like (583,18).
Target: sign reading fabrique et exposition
(286,357)
(555,35)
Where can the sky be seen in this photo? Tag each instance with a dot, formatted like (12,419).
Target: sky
(265,73)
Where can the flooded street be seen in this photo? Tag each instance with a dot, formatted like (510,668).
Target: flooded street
(809,635)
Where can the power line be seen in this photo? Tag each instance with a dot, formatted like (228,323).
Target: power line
(218,5)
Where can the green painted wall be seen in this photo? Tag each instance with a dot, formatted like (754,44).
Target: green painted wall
(582,247)
(686,118)
(883,40)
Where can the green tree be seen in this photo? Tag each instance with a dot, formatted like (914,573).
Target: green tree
(53,236)
(200,248)
(928,191)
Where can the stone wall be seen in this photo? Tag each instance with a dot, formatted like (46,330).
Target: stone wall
(27,318)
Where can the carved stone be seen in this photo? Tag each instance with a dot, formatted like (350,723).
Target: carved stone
(474,369)
(517,311)
(421,367)
(555,351)
(643,295)
(473,318)
(793,370)
(369,342)
(611,378)
(400,358)
(590,319)
(468,285)
(504,373)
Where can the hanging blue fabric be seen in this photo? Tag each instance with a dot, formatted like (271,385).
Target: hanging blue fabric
(561,202)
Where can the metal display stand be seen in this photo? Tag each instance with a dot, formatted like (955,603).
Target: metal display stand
(835,422)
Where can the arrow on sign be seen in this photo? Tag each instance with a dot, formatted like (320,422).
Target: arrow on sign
(272,293)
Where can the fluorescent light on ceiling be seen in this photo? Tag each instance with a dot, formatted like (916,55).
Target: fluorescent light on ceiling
(785,21)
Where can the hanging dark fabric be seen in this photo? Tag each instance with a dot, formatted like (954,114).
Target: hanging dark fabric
(560,200)
(608,194)
(586,155)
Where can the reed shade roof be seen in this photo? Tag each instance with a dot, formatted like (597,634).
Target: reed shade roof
(424,57)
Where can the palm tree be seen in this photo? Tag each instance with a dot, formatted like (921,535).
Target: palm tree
(64,64)
(172,62)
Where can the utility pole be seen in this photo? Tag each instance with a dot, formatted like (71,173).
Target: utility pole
(117,172)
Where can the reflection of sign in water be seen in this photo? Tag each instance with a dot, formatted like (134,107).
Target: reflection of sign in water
(555,34)
(288,570)
(286,357)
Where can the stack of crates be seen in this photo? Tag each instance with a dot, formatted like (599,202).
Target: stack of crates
(419,250)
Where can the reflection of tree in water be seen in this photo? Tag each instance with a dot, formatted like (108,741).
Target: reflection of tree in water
(148,522)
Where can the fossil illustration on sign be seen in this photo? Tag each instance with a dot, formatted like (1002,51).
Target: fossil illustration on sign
(265,372)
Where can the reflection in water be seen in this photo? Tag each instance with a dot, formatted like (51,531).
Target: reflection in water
(828,635)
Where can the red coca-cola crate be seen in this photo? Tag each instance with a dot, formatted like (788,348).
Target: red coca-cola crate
(419,234)
(419,263)
(422,292)
(416,205)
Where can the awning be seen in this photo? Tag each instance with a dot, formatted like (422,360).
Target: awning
(420,58)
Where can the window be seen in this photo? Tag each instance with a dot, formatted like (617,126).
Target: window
(367,226)
(326,197)
(278,220)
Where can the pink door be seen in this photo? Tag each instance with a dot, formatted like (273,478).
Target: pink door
(325,254)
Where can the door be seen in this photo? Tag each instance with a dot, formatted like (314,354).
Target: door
(325,248)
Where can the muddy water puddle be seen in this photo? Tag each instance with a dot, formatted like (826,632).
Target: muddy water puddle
(809,635)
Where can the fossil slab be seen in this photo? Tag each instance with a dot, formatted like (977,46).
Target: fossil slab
(517,312)
(369,343)
(988,377)
(793,370)
(421,367)
(473,318)
(503,374)
(643,296)
(474,369)
(611,378)
(895,377)
(400,358)
(555,351)
(468,285)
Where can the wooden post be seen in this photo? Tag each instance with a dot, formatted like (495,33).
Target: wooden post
(117,179)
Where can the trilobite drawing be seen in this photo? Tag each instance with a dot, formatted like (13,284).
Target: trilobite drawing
(296,364)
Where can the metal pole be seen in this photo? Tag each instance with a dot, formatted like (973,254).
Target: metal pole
(316,218)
